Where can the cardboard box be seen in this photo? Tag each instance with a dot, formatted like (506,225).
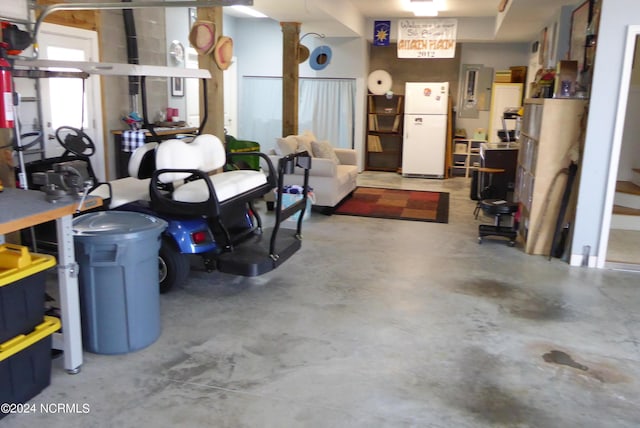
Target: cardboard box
(518,74)
(502,76)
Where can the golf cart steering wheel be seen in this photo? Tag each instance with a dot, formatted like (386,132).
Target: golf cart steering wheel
(75,141)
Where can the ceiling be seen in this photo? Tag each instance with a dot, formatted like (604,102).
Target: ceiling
(523,20)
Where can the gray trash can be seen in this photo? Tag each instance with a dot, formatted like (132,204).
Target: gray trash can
(117,254)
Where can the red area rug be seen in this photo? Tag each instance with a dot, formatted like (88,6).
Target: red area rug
(414,205)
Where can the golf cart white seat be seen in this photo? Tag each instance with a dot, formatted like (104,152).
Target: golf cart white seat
(206,154)
(227,185)
(136,187)
(185,184)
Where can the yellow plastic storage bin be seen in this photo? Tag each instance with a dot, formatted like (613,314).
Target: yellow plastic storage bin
(25,363)
(22,289)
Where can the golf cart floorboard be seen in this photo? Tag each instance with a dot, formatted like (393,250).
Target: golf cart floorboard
(252,258)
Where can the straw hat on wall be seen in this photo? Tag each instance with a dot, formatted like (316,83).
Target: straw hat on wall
(223,52)
(303,53)
(202,36)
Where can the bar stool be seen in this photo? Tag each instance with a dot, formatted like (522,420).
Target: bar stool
(498,208)
(484,191)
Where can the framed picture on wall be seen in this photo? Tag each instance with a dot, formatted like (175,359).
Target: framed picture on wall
(193,16)
(579,23)
(177,87)
(543,51)
(553,43)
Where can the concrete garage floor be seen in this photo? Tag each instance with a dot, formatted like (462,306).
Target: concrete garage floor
(378,323)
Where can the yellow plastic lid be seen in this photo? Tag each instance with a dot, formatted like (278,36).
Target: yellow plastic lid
(21,342)
(39,262)
(14,256)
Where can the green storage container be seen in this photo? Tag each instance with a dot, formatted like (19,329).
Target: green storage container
(241,146)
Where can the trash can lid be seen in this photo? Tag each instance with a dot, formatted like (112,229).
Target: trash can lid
(109,223)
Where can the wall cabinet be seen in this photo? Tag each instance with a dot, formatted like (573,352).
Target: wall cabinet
(384,132)
(550,130)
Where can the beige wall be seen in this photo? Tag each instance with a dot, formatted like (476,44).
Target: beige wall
(415,70)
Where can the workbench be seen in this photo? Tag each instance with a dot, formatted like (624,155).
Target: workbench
(20,209)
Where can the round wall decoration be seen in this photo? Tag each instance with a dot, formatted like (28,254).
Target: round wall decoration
(320,58)
(176,52)
(379,82)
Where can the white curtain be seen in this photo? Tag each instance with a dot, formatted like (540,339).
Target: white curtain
(326,107)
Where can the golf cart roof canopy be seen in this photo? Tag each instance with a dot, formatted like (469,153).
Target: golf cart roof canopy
(115,69)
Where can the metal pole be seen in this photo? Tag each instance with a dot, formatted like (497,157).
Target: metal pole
(22,176)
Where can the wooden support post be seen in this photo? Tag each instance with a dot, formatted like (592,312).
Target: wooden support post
(215,87)
(290,72)
(7,173)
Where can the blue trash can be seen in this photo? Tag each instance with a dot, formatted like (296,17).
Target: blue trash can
(117,254)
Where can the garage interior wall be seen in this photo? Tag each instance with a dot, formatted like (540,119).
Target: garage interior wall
(152,51)
(261,56)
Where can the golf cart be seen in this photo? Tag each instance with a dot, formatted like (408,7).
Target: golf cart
(208,214)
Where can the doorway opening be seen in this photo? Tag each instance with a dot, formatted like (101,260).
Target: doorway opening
(620,233)
(71,102)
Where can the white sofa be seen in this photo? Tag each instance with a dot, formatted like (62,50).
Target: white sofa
(331,179)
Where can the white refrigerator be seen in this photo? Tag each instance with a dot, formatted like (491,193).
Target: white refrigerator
(426,106)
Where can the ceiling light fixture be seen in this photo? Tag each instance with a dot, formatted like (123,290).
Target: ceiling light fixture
(425,7)
(246,10)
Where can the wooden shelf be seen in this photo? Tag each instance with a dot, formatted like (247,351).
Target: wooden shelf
(465,156)
(384,132)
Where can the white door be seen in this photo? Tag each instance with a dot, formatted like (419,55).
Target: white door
(231,98)
(192,87)
(63,99)
(192,90)
(424,144)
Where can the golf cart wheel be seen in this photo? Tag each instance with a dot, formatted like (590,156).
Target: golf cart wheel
(173,266)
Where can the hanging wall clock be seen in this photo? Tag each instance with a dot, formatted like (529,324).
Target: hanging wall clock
(176,52)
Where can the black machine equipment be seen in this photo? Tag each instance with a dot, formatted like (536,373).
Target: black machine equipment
(69,176)
(67,180)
